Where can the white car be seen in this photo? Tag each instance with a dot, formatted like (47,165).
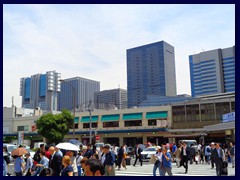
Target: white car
(147,153)
(30,151)
(10,148)
(98,145)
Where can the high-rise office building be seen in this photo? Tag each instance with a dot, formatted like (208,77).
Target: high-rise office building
(84,92)
(110,99)
(150,71)
(212,71)
(40,90)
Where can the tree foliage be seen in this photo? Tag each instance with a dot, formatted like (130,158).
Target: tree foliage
(55,126)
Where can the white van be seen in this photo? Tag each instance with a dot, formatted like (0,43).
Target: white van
(37,144)
(189,143)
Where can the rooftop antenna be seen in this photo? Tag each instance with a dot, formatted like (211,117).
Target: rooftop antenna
(12,101)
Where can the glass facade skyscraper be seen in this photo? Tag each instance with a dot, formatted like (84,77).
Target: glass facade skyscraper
(150,71)
(110,99)
(212,71)
(84,89)
(40,90)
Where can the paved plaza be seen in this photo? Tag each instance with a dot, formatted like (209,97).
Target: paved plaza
(193,170)
(146,170)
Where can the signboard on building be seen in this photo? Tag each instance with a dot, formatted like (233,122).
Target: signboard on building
(162,123)
(6,130)
(228,117)
(20,138)
(33,126)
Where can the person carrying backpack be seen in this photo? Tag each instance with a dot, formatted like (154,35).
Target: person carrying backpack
(6,155)
(207,154)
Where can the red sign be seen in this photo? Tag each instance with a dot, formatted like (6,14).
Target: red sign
(34,127)
(97,137)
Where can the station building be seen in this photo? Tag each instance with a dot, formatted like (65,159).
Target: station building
(205,119)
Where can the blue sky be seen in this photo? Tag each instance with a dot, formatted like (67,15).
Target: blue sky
(90,41)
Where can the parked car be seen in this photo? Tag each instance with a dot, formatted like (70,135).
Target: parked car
(143,146)
(189,143)
(147,153)
(10,148)
(30,151)
(130,150)
(98,145)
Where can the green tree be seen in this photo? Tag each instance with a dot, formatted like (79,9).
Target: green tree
(55,127)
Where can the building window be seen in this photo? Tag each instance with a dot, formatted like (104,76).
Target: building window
(152,122)
(22,128)
(192,112)
(207,112)
(87,125)
(233,106)
(178,113)
(222,108)
(111,124)
(133,123)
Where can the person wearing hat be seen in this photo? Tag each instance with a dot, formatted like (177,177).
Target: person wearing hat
(108,161)
(211,156)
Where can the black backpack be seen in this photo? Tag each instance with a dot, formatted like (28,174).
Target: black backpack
(7,159)
(208,149)
(232,151)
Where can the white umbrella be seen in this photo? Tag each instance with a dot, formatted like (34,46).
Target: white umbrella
(68,146)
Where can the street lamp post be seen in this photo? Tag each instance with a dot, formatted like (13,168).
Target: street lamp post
(73,102)
(90,111)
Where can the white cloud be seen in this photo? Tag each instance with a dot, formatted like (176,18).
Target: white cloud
(90,41)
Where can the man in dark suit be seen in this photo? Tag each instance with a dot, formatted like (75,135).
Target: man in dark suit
(212,145)
(55,162)
(89,152)
(184,157)
(108,160)
(219,157)
(138,154)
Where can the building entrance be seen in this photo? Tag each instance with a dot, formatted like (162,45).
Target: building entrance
(157,140)
(112,141)
(133,141)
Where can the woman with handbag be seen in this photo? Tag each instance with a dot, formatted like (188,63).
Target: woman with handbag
(120,155)
(158,161)
(124,156)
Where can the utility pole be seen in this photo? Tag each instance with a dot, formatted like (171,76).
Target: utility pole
(90,111)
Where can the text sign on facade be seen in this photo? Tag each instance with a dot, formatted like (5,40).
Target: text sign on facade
(20,138)
(228,117)
(162,123)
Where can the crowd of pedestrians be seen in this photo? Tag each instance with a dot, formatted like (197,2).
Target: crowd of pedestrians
(213,154)
(51,161)
(89,161)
